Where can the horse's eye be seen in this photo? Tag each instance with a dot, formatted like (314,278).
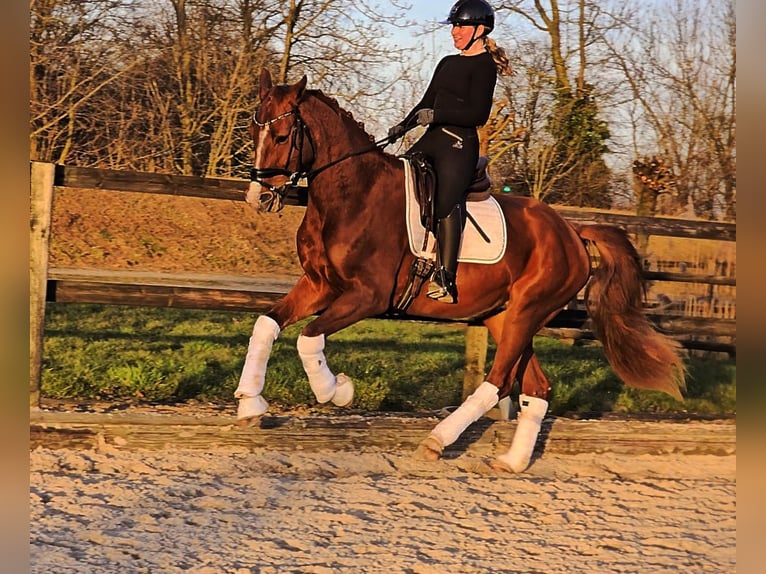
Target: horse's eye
(280,139)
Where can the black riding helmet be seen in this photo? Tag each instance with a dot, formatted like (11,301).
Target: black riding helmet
(472,13)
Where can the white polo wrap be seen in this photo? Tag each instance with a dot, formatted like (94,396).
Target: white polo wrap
(253,377)
(531,415)
(472,409)
(321,379)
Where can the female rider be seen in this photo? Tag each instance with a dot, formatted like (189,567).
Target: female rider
(457,101)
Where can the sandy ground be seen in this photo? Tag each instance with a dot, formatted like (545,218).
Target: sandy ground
(241,511)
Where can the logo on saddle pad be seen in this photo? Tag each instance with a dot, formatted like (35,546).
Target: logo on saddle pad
(474,248)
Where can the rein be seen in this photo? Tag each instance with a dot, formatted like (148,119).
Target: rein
(273,200)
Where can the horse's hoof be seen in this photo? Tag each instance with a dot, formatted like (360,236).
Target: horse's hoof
(344,391)
(249,422)
(251,407)
(429,449)
(500,466)
(512,464)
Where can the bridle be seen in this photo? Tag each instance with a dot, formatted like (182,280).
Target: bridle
(273,198)
(295,179)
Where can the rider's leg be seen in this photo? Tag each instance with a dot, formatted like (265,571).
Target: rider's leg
(449,232)
(454,156)
(453,153)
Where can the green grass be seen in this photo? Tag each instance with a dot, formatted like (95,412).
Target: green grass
(174,355)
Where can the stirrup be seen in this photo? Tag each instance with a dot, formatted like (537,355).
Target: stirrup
(442,287)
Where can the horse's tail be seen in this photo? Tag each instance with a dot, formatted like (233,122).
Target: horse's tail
(640,355)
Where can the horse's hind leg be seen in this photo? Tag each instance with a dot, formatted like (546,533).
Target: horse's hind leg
(474,407)
(533,404)
(516,343)
(448,430)
(485,396)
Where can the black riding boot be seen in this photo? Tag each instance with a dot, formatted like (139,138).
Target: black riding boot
(442,286)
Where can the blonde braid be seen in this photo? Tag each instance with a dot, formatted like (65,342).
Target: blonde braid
(499,56)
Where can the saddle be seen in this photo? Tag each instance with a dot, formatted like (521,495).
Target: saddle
(425,185)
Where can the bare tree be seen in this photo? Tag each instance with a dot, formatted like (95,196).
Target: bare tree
(684,81)
(561,159)
(205,60)
(172,88)
(73,59)
(344,46)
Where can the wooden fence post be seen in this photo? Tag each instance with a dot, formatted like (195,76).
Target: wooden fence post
(476,338)
(41,202)
(475,358)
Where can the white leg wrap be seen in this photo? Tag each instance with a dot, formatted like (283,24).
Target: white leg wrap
(472,409)
(321,379)
(253,376)
(530,420)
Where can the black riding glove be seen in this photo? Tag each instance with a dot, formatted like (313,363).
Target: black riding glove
(425,116)
(395,133)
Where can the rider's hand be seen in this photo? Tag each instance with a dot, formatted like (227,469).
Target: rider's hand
(425,116)
(396,132)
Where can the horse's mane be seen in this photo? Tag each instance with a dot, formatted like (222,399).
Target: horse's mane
(345,115)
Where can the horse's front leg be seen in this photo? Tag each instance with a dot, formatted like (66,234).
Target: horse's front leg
(253,377)
(325,385)
(349,308)
(303,300)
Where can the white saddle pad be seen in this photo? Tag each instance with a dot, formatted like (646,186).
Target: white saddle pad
(473,247)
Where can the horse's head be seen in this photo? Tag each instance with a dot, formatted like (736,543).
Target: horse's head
(284,148)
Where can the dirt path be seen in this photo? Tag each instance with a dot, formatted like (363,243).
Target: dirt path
(238,510)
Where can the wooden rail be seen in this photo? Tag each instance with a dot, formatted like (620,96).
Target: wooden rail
(689,278)
(152,289)
(258,294)
(192,291)
(232,189)
(157,431)
(721,231)
(157,183)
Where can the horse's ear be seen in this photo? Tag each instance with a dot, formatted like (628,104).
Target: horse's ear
(265,82)
(301,86)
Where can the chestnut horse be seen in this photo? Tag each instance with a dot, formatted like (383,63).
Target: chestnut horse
(353,247)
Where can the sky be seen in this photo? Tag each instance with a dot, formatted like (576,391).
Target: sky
(434,43)
(429,43)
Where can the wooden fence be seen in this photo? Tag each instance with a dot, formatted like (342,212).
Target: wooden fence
(259,293)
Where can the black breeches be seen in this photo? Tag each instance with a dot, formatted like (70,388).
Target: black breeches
(453,151)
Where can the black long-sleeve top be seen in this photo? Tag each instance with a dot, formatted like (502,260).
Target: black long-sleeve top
(460,92)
